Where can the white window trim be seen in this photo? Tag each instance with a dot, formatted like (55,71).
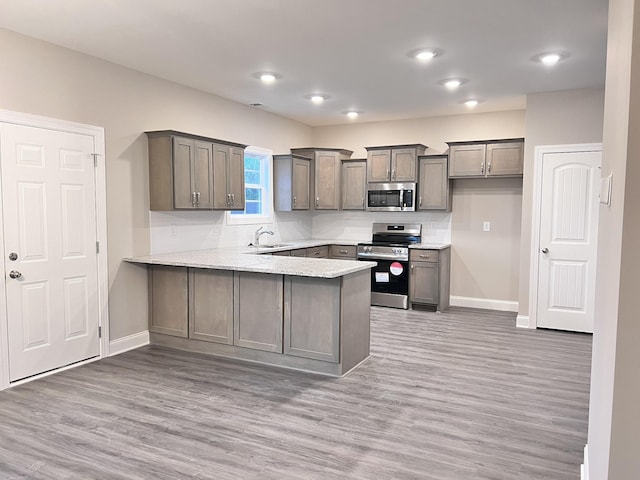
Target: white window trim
(257,219)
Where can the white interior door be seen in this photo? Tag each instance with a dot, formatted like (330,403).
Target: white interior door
(50,260)
(568,240)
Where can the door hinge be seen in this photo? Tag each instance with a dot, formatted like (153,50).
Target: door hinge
(95,158)
(97,247)
(99,331)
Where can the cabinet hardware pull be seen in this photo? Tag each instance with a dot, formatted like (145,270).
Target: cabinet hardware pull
(363,201)
(317,201)
(344,252)
(233,199)
(489,167)
(412,268)
(482,168)
(197,198)
(387,173)
(294,201)
(228,199)
(424,256)
(193,199)
(420,204)
(393,173)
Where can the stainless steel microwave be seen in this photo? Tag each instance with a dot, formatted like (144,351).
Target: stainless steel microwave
(391,197)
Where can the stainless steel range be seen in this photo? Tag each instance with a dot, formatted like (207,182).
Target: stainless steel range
(390,248)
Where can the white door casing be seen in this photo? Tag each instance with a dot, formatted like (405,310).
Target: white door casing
(565,240)
(53,213)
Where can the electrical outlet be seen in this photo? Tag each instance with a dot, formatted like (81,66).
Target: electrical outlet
(486,227)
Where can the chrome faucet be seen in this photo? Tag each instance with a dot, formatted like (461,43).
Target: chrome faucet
(258,233)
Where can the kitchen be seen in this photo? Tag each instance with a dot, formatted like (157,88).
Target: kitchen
(558,117)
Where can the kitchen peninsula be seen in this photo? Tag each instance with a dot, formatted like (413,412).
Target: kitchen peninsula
(245,304)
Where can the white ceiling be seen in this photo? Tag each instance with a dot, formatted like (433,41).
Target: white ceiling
(355,51)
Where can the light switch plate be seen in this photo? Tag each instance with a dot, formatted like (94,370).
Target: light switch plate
(486,227)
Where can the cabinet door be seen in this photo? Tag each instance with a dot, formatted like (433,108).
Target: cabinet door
(301,170)
(258,311)
(168,300)
(211,305)
(221,199)
(467,160)
(379,166)
(203,175)
(354,185)
(327,180)
(235,178)
(424,286)
(433,186)
(312,319)
(183,156)
(403,165)
(505,159)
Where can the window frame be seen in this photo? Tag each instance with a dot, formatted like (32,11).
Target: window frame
(267,186)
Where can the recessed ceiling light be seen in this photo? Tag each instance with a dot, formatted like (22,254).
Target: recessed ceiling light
(267,77)
(316,98)
(352,114)
(452,83)
(471,103)
(425,54)
(550,58)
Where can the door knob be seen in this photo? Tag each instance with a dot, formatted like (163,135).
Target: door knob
(15,274)
(13,256)
(545,250)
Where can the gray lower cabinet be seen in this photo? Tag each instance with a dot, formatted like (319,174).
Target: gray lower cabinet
(168,300)
(430,277)
(434,186)
(312,318)
(348,252)
(258,306)
(210,305)
(318,252)
(354,184)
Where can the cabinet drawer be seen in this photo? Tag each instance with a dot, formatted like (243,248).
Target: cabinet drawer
(298,252)
(285,253)
(343,251)
(318,252)
(417,255)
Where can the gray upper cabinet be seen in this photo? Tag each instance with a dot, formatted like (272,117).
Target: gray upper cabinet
(183,173)
(396,163)
(491,158)
(434,186)
(326,175)
(228,177)
(291,178)
(354,184)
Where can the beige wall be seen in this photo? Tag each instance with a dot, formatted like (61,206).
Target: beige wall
(42,79)
(614,418)
(556,118)
(484,264)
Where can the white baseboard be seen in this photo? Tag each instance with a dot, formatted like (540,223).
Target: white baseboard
(129,342)
(484,303)
(584,468)
(524,321)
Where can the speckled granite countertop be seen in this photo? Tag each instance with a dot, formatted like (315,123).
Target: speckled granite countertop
(245,259)
(430,246)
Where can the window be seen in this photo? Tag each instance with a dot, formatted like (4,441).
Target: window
(257,190)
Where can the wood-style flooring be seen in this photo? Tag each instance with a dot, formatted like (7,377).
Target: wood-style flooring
(456,395)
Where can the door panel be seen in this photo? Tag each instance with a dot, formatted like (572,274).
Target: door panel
(568,235)
(236,178)
(300,181)
(49,213)
(354,185)
(327,180)
(220,162)
(379,166)
(403,165)
(182,171)
(467,160)
(203,175)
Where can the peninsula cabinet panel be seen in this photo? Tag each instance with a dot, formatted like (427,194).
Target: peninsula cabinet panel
(354,184)
(434,192)
(312,318)
(258,311)
(168,300)
(211,305)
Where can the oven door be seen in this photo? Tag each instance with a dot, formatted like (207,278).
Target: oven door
(390,283)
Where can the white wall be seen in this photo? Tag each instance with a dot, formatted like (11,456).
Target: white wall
(43,79)
(614,414)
